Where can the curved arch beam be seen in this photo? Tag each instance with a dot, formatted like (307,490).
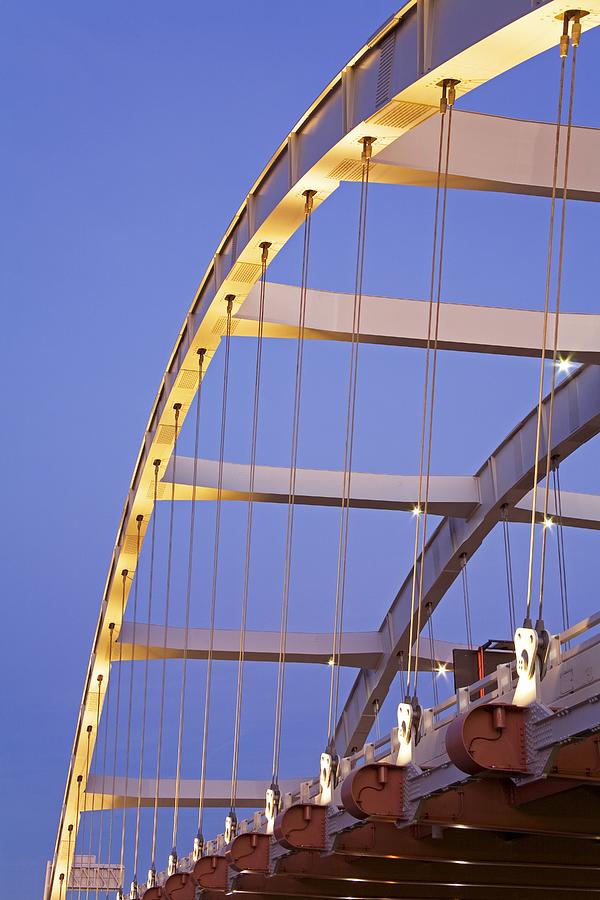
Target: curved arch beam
(506,477)
(403,323)
(387,88)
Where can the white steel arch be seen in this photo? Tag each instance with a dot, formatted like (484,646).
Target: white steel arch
(386,89)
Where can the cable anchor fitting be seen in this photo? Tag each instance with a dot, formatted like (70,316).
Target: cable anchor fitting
(448,98)
(264,246)
(328,774)
(308,201)
(231,824)
(409,721)
(151,879)
(272,805)
(172,864)
(367,148)
(198,846)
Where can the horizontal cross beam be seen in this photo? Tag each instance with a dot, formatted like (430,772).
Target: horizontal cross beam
(102,794)
(449,495)
(403,322)
(358,649)
(492,153)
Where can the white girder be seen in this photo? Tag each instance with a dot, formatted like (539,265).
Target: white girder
(387,88)
(505,478)
(449,495)
(492,153)
(403,322)
(362,649)
(100,794)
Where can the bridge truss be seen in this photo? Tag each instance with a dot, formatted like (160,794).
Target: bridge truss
(385,818)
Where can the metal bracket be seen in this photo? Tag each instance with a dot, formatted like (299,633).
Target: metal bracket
(406,742)
(526,649)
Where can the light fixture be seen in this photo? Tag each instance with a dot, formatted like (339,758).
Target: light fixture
(564,365)
(442,668)
(331,661)
(416,510)
(548,522)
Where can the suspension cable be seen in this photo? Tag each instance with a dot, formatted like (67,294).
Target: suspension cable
(249,521)
(159,742)
(188,596)
(429,610)
(287,565)
(563,55)
(466,600)
(111,629)
(447,104)
(560,545)
(124,575)
(417,512)
(99,680)
(576,34)
(199,841)
(134,886)
(70,833)
(87,769)
(512,620)
(340,590)
(139,519)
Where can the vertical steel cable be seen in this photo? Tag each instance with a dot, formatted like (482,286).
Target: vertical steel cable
(111,629)
(417,511)
(340,589)
(146,661)
(556,319)
(124,574)
(545,334)
(70,833)
(96,755)
(159,743)
(560,546)
(249,521)
(139,519)
(509,572)
(80,779)
(188,596)
(432,654)
(287,566)
(432,398)
(69,861)
(213,603)
(466,600)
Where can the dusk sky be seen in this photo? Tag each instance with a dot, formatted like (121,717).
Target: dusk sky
(132,132)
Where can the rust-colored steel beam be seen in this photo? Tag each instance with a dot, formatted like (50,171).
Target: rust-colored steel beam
(486,848)
(490,804)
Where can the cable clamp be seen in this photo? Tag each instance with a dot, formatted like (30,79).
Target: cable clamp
(272,804)
(328,773)
(448,98)
(231,825)
(409,721)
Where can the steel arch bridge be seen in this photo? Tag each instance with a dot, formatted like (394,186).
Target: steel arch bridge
(391,820)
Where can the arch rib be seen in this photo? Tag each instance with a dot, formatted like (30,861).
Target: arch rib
(473,47)
(505,477)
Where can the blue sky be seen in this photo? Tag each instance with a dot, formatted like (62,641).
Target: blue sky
(131,133)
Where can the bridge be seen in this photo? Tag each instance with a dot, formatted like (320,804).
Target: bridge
(488,791)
